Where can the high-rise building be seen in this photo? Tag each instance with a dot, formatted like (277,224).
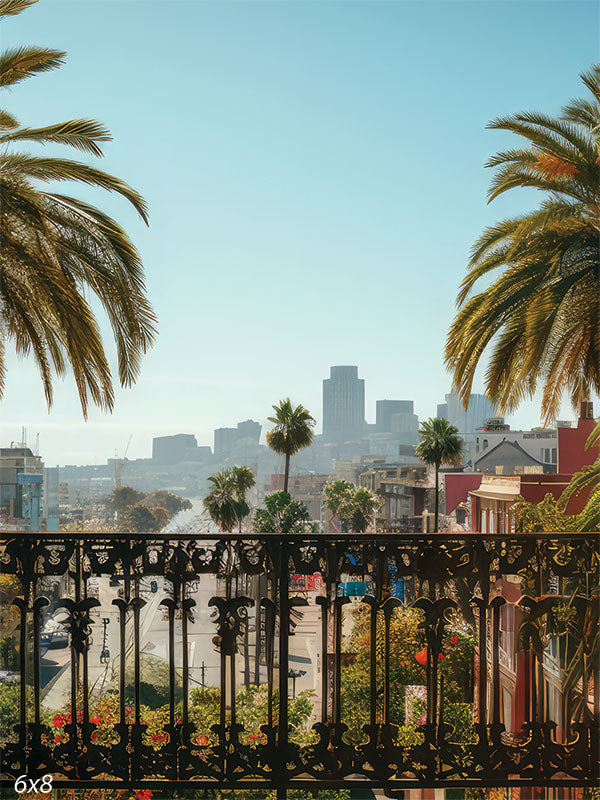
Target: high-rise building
(224,441)
(174,449)
(22,487)
(343,404)
(479,409)
(249,429)
(385,410)
(228,440)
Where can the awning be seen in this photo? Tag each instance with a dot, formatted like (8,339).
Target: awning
(497,492)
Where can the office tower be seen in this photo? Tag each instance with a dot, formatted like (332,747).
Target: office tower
(225,439)
(385,410)
(478,411)
(249,429)
(343,404)
(174,449)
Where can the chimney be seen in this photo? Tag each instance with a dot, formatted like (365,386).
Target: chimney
(587,410)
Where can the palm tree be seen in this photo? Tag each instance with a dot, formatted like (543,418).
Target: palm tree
(243,480)
(541,315)
(221,502)
(58,251)
(226,502)
(440,444)
(293,430)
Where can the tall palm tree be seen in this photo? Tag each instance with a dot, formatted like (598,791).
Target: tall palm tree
(226,502)
(221,502)
(57,251)
(293,431)
(242,480)
(541,314)
(440,444)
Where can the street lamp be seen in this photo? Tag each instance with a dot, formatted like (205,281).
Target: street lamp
(293,674)
(105,654)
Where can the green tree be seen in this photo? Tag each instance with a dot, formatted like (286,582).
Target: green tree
(282,515)
(226,502)
(440,444)
(354,506)
(161,498)
(140,518)
(292,432)
(541,315)
(243,480)
(123,498)
(58,252)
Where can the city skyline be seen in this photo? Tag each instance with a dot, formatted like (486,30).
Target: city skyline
(143,448)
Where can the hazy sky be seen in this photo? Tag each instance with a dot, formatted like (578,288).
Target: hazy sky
(314,172)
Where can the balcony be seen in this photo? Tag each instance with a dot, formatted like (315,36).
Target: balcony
(305,661)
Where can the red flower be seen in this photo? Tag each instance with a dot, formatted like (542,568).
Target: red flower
(179,720)
(201,740)
(440,656)
(253,737)
(94,736)
(155,737)
(129,710)
(95,720)
(58,738)
(421,657)
(59,720)
(453,639)
(143,794)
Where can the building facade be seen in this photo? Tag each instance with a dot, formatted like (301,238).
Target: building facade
(343,404)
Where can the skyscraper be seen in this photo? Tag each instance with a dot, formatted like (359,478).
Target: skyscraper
(343,404)
(386,410)
(478,410)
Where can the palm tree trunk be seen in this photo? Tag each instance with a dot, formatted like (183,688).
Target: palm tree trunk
(437,500)
(287,472)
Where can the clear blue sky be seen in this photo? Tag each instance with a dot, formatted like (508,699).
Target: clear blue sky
(314,172)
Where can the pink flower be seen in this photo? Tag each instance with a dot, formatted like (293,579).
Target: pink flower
(59,720)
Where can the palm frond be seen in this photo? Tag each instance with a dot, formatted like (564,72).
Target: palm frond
(7,121)
(11,7)
(23,62)
(79,133)
(61,169)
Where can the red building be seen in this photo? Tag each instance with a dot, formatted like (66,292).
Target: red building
(489,499)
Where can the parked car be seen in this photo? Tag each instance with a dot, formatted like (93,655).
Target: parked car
(53,635)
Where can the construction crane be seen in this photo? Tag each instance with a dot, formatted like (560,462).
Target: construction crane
(119,463)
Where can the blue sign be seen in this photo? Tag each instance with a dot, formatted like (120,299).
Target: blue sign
(22,477)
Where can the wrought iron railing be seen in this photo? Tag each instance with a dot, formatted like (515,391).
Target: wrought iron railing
(136,604)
